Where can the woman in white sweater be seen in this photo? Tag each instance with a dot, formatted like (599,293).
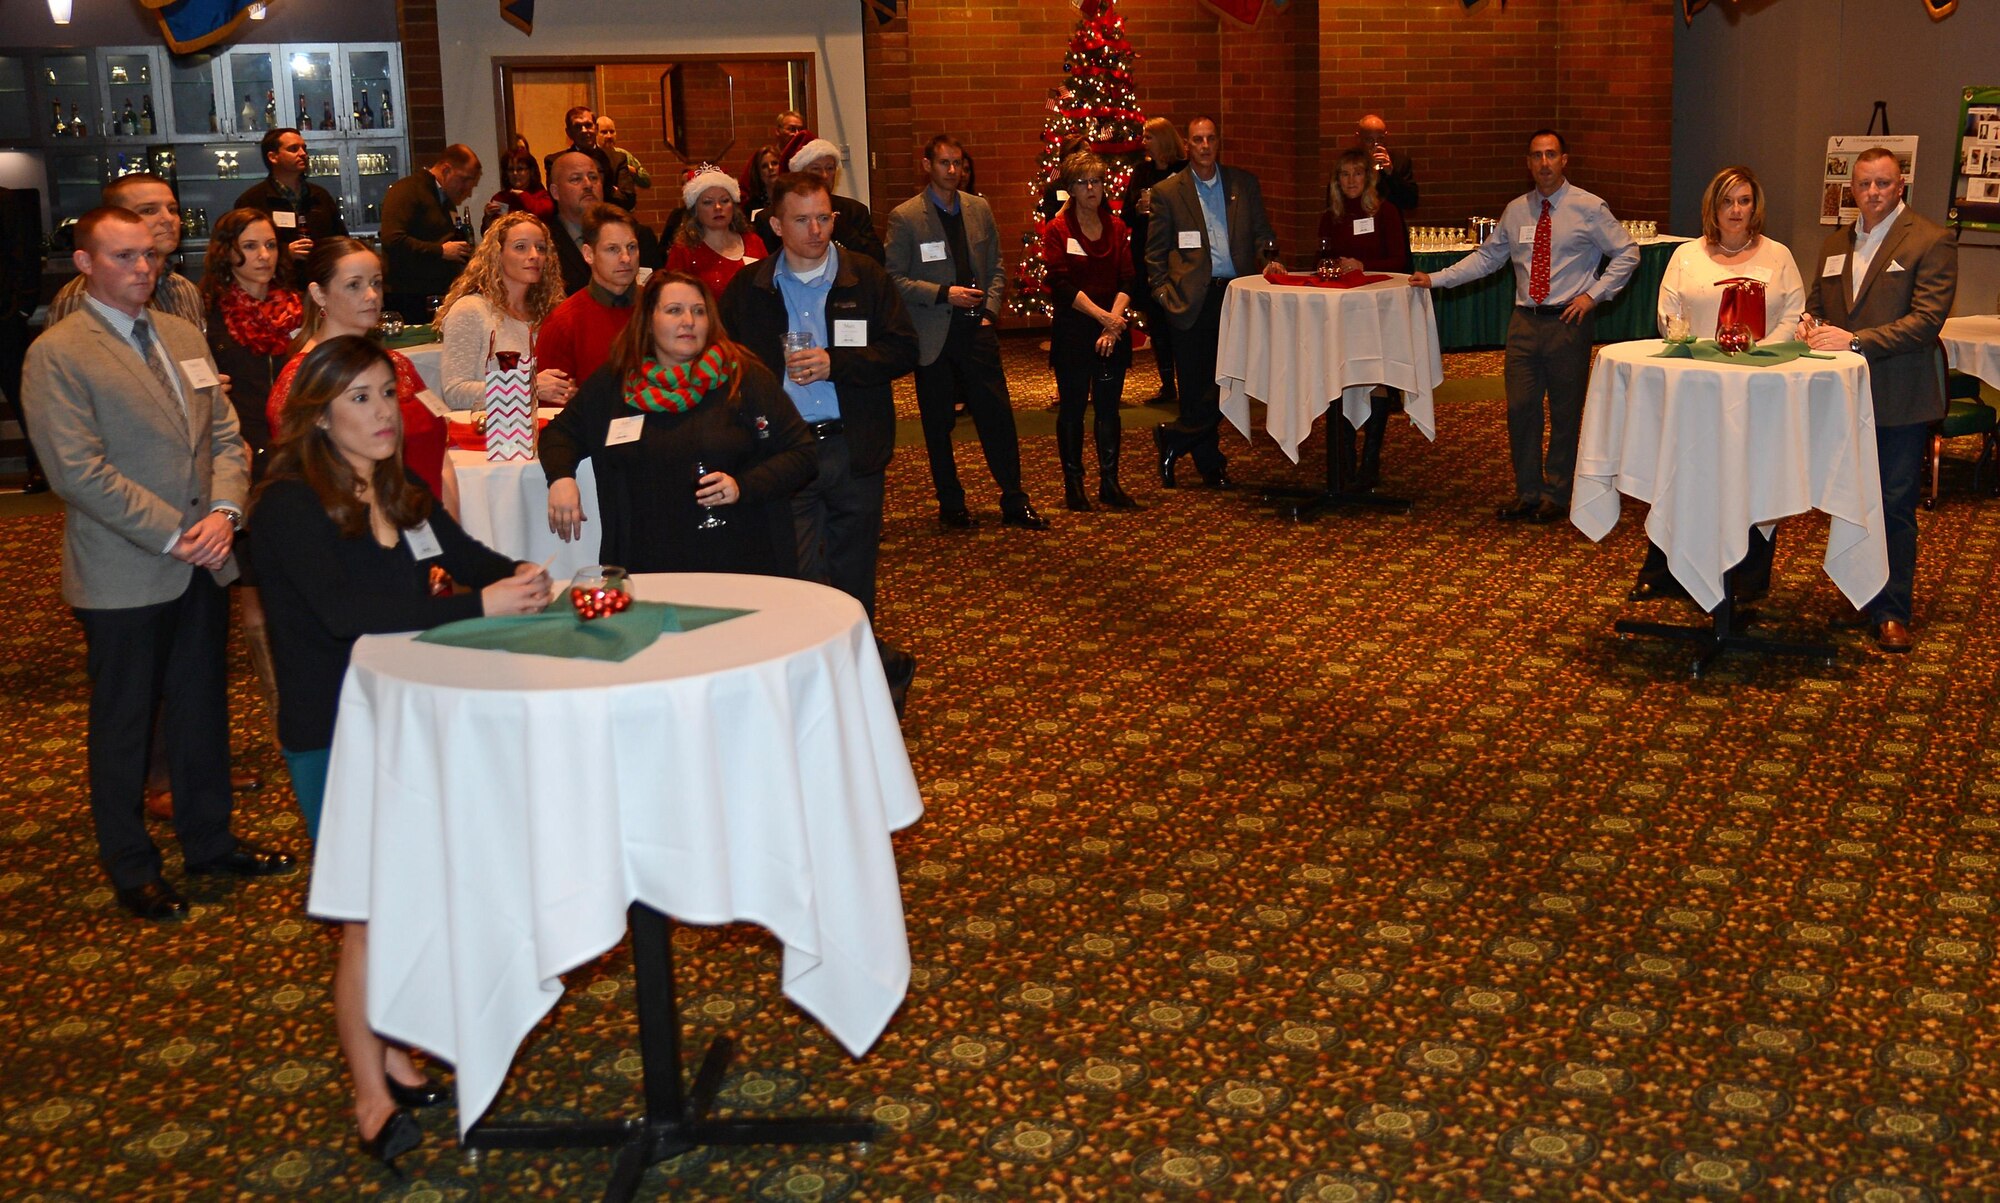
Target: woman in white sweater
(498,303)
(1732,246)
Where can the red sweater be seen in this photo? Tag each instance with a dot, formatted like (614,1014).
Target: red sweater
(712,269)
(1385,250)
(424,441)
(577,337)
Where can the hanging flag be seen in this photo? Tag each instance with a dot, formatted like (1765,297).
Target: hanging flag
(519,13)
(191,25)
(884,10)
(1242,12)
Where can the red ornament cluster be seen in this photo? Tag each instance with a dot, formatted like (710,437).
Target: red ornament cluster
(598,603)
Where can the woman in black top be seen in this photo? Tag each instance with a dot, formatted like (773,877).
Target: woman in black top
(1165,155)
(675,393)
(253,317)
(345,538)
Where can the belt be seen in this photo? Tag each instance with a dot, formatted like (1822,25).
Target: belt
(1543,310)
(826,429)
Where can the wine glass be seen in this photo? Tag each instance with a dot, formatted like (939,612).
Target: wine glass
(1267,253)
(710,520)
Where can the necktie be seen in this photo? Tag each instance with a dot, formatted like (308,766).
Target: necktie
(142,338)
(1538,269)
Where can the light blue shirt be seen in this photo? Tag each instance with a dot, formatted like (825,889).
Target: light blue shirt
(1582,235)
(1215,215)
(805,307)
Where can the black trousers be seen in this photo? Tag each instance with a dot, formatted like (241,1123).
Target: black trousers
(1546,357)
(1160,333)
(838,520)
(1752,572)
(170,655)
(1900,455)
(969,370)
(1200,397)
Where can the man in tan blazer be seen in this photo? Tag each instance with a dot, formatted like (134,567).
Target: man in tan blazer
(1883,288)
(129,418)
(1208,227)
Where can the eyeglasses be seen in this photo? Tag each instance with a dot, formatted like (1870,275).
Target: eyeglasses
(1096,181)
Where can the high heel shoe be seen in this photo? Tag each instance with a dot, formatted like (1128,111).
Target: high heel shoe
(428,1094)
(398,1135)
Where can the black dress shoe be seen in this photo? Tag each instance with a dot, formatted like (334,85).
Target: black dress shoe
(1646,591)
(1520,511)
(154,900)
(957,519)
(398,1135)
(1023,516)
(900,668)
(427,1095)
(1218,479)
(246,860)
(1548,511)
(1163,442)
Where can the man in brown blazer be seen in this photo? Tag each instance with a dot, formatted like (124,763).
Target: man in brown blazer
(1208,227)
(129,418)
(1882,289)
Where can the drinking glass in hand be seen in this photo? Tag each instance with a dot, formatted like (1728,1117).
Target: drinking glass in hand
(709,518)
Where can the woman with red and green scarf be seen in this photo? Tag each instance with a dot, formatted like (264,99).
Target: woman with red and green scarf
(253,317)
(676,393)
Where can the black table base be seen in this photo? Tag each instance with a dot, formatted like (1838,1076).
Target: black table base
(1301,504)
(1724,634)
(675,1121)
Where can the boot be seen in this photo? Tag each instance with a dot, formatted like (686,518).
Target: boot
(1108,433)
(1069,446)
(1370,472)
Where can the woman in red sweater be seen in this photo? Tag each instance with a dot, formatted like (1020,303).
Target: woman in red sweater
(715,242)
(1088,253)
(1363,232)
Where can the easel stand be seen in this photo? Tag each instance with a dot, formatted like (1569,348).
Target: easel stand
(675,1121)
(1724,634)
(1301,504)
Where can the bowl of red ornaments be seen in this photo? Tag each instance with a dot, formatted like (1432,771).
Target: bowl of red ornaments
(600,590)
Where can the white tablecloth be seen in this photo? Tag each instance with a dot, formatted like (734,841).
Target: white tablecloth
(1972,344)
(492,815)
(1296,348)
(505,505)
(428,359)
(1716,448)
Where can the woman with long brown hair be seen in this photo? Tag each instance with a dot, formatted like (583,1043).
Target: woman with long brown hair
(675,395)
(345,538)
(253,317)
(498,303)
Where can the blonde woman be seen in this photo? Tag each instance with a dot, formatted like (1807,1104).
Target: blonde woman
(498,303)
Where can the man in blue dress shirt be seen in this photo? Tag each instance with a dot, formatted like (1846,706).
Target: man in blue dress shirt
(1560,239)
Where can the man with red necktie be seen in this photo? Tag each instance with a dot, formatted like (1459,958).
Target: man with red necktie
(1570,256)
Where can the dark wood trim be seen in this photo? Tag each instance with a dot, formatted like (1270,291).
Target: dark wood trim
(503,97)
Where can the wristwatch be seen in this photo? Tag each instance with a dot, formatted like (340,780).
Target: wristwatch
(1854,345)
(234,515)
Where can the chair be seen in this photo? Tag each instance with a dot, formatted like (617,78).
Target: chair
(1966,413)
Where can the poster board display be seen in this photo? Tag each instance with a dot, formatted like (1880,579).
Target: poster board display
(1975,180)
(1836,206)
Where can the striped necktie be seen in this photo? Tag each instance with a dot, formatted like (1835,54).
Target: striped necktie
(142,340)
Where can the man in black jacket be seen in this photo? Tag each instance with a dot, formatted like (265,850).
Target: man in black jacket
(861,340)
(423,247)
(301,210)
(577,187)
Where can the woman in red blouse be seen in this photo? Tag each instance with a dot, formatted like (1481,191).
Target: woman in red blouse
(715,242)
(1088,253)
(1361,231)
(343,286)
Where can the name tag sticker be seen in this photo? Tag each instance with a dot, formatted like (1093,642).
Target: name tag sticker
(1364,225)
(1760,274)
(933,252)
(434,403)
(1526,234)
(1895,266)
(1062,194)
(199,373)
(1834,265)
(624,430)
(285,220)
(423,544)
(850,332)
(1190,240)
(1075,248)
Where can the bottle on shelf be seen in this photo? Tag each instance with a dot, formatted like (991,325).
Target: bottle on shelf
(59,128)
(326,115)
(246,117)
(128,121)
(367,113)
(78,128)
(270,110)
(148,124)
(305,119)
(388,111)
(211,113)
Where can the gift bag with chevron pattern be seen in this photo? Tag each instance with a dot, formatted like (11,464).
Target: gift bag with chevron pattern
(510,407)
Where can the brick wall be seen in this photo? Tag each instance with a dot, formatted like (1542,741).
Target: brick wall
(630,92)
(1616,70)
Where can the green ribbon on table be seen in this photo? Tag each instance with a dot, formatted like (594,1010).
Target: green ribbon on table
(558,631)
(1767,355)
(411,336)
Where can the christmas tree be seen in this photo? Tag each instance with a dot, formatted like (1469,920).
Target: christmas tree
(1096,102)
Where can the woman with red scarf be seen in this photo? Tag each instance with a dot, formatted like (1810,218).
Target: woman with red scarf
(253,318)
(676,393)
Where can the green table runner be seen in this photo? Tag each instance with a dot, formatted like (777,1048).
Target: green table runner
(412,336)
(1769,355)
(557,631)
(1476,314)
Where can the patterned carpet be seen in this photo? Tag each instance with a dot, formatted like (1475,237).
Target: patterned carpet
(1354,860)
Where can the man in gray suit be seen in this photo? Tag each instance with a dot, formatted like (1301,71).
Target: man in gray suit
(1883,289)
(944,256)
(1208,227)
(129,418)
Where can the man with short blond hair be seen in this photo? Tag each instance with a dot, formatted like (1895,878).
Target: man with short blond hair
(153,200)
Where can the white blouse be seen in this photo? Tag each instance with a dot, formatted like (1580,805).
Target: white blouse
(1695,281)
(469,330)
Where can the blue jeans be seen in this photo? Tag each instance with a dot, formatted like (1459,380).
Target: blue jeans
(309,784)
(1900,453)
